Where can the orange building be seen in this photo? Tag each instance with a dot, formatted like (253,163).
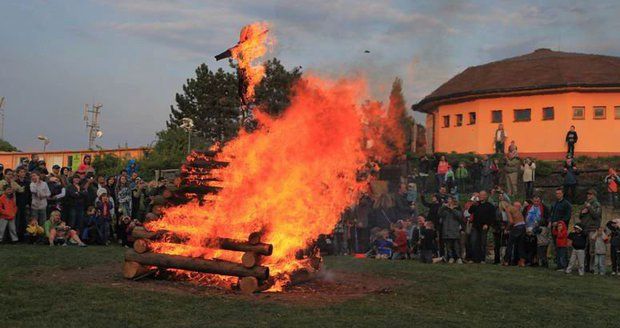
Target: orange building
(71,158)
(537,97)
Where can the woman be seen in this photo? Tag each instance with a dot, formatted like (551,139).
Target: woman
(442,168)
(86,164)
(515,250)
(57,232)
(65,176)
(76,197)
(529,174)
(123,196)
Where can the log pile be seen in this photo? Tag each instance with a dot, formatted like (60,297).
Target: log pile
(197,178)
(253,277)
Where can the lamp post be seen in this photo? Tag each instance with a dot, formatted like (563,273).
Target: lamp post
(187,125)
(45,140)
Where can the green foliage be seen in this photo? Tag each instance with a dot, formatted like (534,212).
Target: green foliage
(210,100)
(108,164)
(169,151)
(6,146)
(274,91)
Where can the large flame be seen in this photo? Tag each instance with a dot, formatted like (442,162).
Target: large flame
(253,44)
(291,178)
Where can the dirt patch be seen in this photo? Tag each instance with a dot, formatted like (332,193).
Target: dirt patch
(330,288)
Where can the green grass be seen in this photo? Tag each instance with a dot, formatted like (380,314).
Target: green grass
(34,293)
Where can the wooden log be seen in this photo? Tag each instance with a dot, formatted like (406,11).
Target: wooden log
(209,164)
(302,276)
(248,285)
(141,246)
(195,264)
(134,270)
(250,259)
(200,190)
(254,238)
(207,153)
(222,243)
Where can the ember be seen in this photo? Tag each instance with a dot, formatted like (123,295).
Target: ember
(289,180)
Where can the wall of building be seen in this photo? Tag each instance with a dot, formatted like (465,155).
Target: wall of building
(537,136)
(67,157)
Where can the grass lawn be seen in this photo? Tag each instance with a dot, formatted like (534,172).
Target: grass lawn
(33,293)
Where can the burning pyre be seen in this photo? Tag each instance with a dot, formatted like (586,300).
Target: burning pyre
(284,183)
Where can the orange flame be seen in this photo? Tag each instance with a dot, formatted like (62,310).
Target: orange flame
(291,178)
(253,43)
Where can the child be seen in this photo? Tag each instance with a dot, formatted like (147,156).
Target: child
(400,241)
(383,245)
(105,213)
(8,209)
(614,228)
(578,240)
(449,180)
(530,246)
(428,242)
(561,242)
(57,232)
(90,234)
(462,176)
(542,242)
(34,231)
(600,250)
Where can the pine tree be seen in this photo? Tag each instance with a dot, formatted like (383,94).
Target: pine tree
(210,99)
(274,91)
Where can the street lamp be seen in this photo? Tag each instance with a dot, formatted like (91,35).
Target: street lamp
(187,125)
(46,141)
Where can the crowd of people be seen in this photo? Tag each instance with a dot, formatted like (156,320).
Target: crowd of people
(489,200)
(62,207)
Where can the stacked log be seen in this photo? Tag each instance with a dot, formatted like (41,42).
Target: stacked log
(253,277)
(197,179)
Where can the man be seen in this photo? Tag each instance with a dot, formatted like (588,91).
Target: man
(8,209)
(500,139)
(484,214)
(512,174)
(23,197)
(451,218)
(423,168)
(571,140)
(40,192)
(56,171)
(590,219)
(561,210)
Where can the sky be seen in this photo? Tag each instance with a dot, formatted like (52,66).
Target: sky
(133,56)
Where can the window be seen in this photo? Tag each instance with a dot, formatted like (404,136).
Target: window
(617,112)
(459,119)
(472,118)
(579,112)
(70,161)
(523,115)
(496,116)
(599,112)
(446,121)
(548,113)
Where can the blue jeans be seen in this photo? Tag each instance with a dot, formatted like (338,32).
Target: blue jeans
(40,214)
(561,257)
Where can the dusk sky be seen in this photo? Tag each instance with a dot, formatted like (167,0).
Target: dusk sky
(133,56)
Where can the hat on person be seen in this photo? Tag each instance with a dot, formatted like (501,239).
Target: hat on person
(578,226)
(56,167)
(101,191)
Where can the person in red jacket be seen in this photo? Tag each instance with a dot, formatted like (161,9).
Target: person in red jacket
(560,233)
(8,209)
(400,242)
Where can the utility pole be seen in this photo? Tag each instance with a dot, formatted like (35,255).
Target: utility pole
(91,117)
(2,118)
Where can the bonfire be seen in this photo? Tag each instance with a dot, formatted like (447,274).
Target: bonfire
(272,191)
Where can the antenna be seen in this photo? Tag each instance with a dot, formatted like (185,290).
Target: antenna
(91,117)
(2,118)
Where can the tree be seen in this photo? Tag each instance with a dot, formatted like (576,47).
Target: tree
(169,151)
(397,120)
(210,100)
(6,146)
(274,91)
